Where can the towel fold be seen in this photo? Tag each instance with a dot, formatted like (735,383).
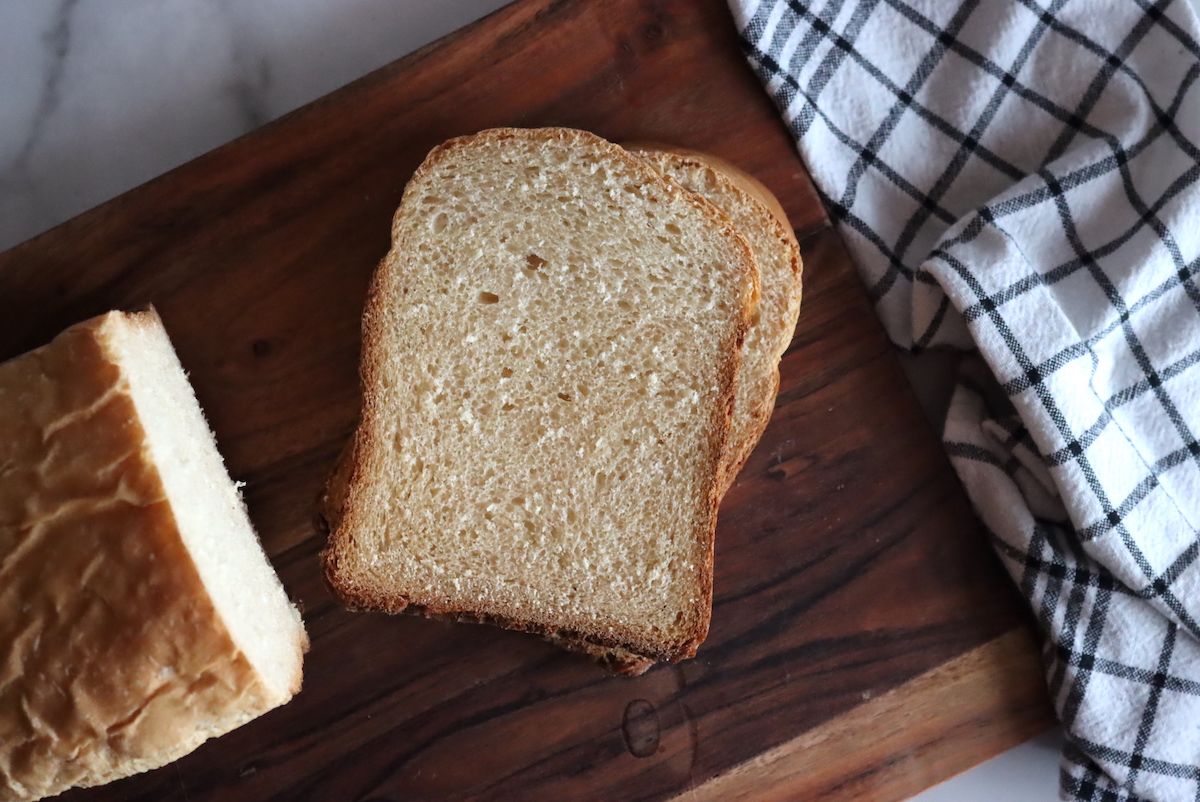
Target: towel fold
(1021,178)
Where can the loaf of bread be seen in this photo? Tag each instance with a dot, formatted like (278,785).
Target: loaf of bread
(550,351)
(138,614)
(757,214)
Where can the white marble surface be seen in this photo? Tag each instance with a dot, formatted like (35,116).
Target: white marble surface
(97,96)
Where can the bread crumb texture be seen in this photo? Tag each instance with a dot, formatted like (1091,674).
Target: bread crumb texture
(550,351)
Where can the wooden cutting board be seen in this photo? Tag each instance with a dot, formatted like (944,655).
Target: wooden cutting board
(864,641)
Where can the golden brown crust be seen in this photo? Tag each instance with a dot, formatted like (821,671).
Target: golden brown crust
(743,180)
(342,500)
(333,494)
(113,659)
(613,659)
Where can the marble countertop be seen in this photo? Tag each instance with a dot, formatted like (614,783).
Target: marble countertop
(98,97)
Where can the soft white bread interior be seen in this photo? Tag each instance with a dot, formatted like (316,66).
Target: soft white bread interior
(550,352)
(139,616)
(757,214)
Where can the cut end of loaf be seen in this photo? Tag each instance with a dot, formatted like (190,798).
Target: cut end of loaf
(139,616)
(207,505)
(550,351)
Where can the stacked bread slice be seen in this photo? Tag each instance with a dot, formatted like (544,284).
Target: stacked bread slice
(552,356)
(758,215)
(754,210)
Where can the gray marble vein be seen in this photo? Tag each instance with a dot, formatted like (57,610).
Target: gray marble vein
(15,176)
(58,42)
(250,76)
(97,96)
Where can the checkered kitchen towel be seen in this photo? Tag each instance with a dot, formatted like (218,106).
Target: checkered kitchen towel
(1023,177)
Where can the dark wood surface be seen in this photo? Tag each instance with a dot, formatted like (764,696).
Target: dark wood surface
(896,745)
(848,561)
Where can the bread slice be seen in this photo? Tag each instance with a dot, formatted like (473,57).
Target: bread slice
(138,614)
(757,214)
(549,357)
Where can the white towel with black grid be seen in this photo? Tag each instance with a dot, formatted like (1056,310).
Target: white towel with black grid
(1022,177)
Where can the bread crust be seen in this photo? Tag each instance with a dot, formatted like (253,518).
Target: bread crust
(740,178)
(615,660)
(341,503)
(113,657)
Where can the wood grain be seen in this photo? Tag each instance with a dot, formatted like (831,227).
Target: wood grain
(897,745)
(848,560)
